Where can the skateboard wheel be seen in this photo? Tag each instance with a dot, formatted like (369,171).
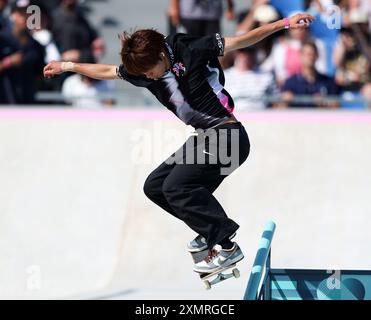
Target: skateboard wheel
(236,273)
(207,285)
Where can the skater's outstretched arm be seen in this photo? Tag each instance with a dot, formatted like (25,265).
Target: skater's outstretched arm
(298,21)
(91,70)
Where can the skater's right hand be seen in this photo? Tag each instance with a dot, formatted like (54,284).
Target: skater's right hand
(53,68)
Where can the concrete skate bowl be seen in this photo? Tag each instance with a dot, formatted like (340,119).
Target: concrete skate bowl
(76,224)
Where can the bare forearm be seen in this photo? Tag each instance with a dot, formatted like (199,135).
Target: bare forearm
(298,21)
(95,71)
(253,36)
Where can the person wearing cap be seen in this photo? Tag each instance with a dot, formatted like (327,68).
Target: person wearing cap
(258,15)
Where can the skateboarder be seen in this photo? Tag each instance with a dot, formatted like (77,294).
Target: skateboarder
(184,74)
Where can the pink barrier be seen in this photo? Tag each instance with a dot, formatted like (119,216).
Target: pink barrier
(304,116)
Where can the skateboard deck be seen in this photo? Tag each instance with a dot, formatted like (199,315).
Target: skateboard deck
(218,276)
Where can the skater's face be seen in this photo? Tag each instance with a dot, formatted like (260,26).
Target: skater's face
(160,68)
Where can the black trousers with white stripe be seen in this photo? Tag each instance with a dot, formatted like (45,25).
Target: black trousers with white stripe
(183,185)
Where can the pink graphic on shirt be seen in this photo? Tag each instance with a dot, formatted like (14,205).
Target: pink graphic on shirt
(179,69)
(224,101)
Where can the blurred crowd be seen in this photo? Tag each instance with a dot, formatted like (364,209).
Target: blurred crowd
(62,33)
(327,65)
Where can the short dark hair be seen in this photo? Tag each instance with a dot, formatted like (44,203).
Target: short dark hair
(141,50)
(310,43)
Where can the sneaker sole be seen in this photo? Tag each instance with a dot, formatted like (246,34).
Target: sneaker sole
(232,262)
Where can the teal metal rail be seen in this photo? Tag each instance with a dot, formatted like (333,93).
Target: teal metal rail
(262,255)
(266,283)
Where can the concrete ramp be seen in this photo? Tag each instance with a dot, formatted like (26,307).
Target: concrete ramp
(76,224)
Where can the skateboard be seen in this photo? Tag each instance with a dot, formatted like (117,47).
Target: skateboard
(212,278)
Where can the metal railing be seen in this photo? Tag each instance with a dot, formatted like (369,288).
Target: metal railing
(142,97)
(258,269)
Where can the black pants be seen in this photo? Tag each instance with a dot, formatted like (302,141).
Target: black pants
(183,185)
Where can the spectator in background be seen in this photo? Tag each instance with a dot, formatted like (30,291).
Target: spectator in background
(248,85)
(309,82)
(324,11)
(260,14)
(33,55)
(366,94)
(287,55)
(45,37)
(75,38)
(366,7)
(319,6)
(353,66)
(50,5)
(84,92)
(198,17)
(5,23)
(356,10)
(10,57)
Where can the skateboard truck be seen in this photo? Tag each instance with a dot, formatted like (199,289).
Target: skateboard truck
(220,274)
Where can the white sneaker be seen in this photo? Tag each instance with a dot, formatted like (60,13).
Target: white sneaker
(219,260)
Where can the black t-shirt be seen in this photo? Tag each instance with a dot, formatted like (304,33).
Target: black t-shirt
(194,87)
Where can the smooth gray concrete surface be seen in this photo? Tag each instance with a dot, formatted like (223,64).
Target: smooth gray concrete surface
(75,222)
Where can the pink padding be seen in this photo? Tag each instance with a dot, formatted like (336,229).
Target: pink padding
(165,115)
